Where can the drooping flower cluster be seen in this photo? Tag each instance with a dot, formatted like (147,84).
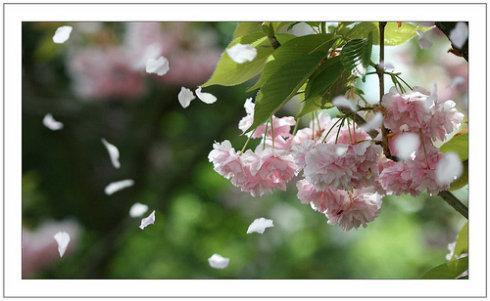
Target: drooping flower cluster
(345,170)
(424,116)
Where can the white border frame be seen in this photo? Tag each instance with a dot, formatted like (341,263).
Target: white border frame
(14,14)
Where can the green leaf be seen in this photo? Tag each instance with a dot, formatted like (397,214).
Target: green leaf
(293,50)
(357,52)
(449,270)
(246,28)
(461,242)
(310,105)
(394,34)
(458,144)
(283,84)
(324,78)
(230,73)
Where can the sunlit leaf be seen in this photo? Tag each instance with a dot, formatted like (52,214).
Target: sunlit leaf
(449,270)
(458,144)
(246,28)
(230,73)
(461,242)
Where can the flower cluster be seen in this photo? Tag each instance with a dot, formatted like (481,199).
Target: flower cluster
(345,171)
(428,118)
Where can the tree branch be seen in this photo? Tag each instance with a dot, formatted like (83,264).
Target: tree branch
(454,202)
(380,72)
(446,28)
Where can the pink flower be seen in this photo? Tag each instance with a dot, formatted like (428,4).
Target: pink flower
(413,176)
(412,110)
(347,209)
(396,177)
(421,112)
(342,166)
(445,120)
(225,159)
(299,151)
(319,200)
(274,169)
(423,170)
(281,127)
(256,172)
(354,209)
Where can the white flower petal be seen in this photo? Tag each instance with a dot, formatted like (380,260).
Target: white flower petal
(62,34)
(138,210)
(149,220)
(242,53)
(205,97)
(259,225)
(406,145)
(185,97)
(449,168)
(373,123)
(51,123)
(159,66)
(342,102)
(119,185)
(217,261)
(62,239)
(302,29)
(459,34)
(113,153)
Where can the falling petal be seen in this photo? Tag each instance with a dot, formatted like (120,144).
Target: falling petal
(119,185)
(406,145)
(159,66)
(51,123)
(373,123)
(259,225)
(302,29)
(113,153)
(205,97)
(137,210)
(62,239)
(342,102)
(149,220)
(459,34)
(218,262)
(185,97)
(62,34)
(241,53)
(449,168)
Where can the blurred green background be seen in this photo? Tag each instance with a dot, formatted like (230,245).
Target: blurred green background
(164,149)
